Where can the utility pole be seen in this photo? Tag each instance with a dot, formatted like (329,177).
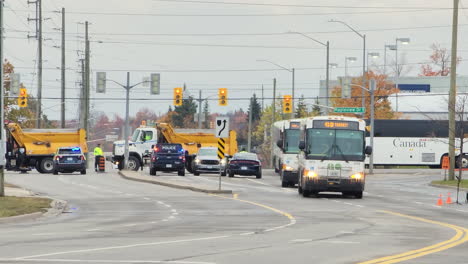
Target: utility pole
(263,97)
(38,36)
(453,91)
(249,135)
(199,109)
(293,71)
(273,116)
(2,111)
(86,79)
(82,95)
(62,114)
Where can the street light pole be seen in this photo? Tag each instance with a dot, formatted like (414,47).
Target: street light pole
(363,36)
(372,84)
(127,119)
(327,45)
(292,71)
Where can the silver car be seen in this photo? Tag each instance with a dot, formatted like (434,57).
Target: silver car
(207,161)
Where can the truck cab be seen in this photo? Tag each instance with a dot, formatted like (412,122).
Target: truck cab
(139,147)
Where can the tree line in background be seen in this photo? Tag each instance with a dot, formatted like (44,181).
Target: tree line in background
(184,116)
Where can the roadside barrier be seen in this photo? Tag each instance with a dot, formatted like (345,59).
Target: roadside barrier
(102,164)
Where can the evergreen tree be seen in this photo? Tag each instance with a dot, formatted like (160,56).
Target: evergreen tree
(183,116)
(301,110)
(256,109)
(316,110)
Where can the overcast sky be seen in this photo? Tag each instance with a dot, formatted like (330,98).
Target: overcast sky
(212,44)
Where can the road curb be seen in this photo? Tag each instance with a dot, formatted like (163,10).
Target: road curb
(176,186)
(57,207)
(447,187)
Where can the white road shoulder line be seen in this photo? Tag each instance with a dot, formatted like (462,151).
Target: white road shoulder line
(105,261)
(121,247)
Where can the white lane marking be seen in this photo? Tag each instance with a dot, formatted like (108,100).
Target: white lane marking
(95,229)
(348,203)
(292,222)
(159,202)
(358,205)
(346,232)
(418,202)
(130,225)
(171,217)
(44,234)
(173,210)
(107,261)
(154,222)
(175,213)
(168,205)
(336,201)
(247,234)
(146,198)
(339,242)
(461,211)
(300,240)
(436,206)
(262,183)
(121,247)
(165,220)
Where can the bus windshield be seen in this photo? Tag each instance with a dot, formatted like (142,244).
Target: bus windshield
(291,144)
(330,144)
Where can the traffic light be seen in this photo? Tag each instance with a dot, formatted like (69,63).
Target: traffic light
(287,104)
(178,96)
(222,96)
(100,82)
(155,83)
(23,97)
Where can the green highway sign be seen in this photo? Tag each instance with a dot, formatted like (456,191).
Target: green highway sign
(349,109)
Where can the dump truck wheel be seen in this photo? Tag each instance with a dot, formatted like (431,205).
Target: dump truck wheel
(133,163)
(47,165)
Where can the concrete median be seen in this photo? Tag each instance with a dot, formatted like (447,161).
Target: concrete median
(176,182)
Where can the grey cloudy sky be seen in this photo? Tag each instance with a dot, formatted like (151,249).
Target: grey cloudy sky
(213,44)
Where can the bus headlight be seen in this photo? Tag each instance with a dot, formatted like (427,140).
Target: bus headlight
(310,174)
(357,176)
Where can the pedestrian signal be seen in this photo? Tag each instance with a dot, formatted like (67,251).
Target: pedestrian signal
(23,97)
(287,104)
(178,96)
(222,96)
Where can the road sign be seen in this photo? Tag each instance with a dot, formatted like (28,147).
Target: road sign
(222,127)
(221,148)
(349,110)
(111,138)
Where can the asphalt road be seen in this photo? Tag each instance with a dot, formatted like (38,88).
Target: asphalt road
(112,220)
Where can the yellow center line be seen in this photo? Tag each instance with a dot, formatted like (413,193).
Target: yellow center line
(460,237)
(289,216)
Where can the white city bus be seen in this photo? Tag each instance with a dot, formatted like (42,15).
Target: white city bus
(333,151)
(413,142)
(285,138)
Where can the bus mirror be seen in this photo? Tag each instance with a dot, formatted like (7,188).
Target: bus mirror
(279,143)
(301,145)
(368,150)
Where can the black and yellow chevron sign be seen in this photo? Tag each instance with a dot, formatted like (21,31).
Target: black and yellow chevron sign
(221,148)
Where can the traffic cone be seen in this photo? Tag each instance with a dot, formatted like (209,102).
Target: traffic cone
(449,199)
(440,202)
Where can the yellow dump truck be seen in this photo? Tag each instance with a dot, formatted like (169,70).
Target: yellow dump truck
(28,148)
(146,136)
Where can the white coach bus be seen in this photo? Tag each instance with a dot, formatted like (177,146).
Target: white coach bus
(285,138)
(414,142)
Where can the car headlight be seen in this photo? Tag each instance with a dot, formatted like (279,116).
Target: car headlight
(310,174)
(357,176)
(287,168)
(197,161)
(223,162)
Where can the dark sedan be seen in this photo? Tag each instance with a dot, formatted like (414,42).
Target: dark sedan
(246,164)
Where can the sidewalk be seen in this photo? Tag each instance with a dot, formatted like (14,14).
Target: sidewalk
(57,207)
(174,181)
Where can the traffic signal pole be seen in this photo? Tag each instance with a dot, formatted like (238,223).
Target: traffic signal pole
(2,109)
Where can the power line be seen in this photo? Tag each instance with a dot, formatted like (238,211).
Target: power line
(302,6)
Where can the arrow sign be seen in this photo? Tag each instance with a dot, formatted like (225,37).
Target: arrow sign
(222,127)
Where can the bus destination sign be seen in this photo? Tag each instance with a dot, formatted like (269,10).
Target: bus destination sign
(336,124)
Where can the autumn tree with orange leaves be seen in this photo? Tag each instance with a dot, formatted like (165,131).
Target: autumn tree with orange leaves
(440,62)
(384,89)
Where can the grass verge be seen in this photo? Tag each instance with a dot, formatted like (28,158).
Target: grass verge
(463,184)
(12,206)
